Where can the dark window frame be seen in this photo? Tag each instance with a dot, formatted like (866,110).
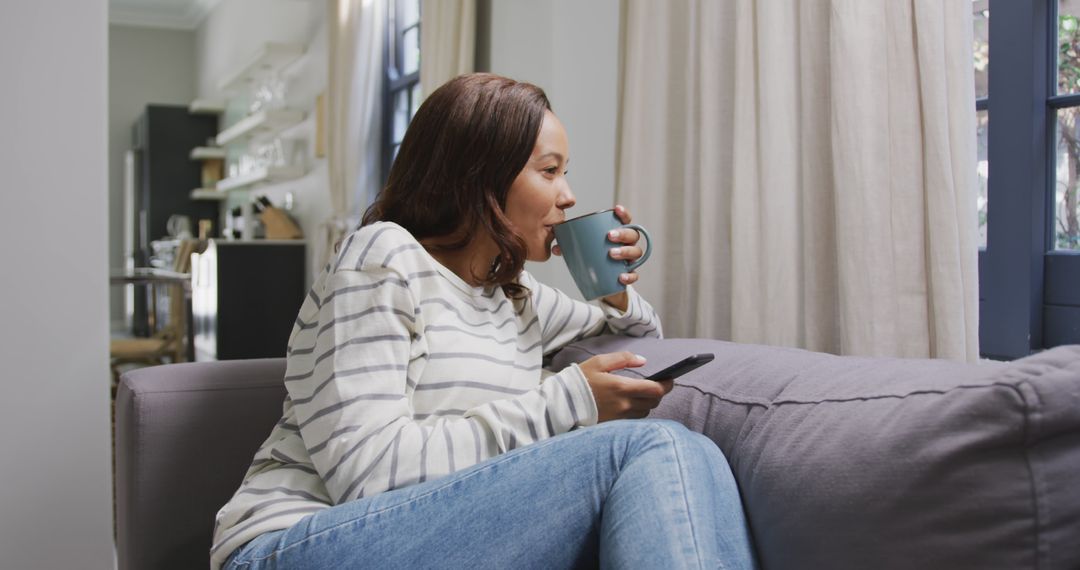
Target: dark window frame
(395,80)
(1029,292)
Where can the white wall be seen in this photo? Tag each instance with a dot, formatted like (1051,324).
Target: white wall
(235,29)
(229,35)
(55,496)
(146,66)
(570,49)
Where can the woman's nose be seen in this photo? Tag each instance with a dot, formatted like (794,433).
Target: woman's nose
(566,198)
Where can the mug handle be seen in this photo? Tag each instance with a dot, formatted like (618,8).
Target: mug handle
(648,248)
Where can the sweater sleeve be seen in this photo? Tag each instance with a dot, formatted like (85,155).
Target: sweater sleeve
(354,408)
(564,320)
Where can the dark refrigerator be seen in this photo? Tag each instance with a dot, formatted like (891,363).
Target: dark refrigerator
(159,184)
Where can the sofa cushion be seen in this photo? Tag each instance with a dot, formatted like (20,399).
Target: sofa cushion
(851,462)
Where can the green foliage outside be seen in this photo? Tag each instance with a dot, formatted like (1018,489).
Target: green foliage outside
(1067,226)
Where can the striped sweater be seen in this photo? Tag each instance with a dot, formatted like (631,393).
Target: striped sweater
(399,372)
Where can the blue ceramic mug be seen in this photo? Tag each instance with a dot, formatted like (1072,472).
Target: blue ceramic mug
(585,248)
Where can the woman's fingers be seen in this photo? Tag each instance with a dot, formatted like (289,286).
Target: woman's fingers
(625,236)
(613,361)
(628,253)
(635,388)
(622,213)
(644,404)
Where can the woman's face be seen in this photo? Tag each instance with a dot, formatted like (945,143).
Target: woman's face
(540,192)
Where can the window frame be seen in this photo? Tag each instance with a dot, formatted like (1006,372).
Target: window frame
(394,79)
(1025,298)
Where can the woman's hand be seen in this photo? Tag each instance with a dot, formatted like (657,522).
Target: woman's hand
(626,250)
(619,397)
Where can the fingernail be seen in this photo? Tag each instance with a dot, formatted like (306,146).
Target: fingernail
(613,234)
(640,358)
(616,252)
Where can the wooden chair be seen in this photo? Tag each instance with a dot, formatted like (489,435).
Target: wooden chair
(169,342)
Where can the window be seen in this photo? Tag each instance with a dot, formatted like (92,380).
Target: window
(1029,61)
(1066,230)
(401,94)
(981,16)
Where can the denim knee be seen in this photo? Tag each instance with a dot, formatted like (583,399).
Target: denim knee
(702,449)
(675,430)
(672,427)
(647,432)
(649,428)
(658,432)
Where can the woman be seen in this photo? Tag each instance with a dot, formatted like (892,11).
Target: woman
(420,429)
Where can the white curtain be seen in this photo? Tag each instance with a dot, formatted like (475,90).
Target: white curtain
(808,168)
(353,108)
(447,41)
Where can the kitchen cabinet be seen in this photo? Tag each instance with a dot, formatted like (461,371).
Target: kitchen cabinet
(245,295)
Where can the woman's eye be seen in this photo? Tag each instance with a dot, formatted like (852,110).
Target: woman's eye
(552,170)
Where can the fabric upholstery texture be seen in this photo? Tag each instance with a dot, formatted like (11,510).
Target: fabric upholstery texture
(185,435)
(851,462)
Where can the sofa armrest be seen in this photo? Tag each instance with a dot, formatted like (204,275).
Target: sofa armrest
(185,435)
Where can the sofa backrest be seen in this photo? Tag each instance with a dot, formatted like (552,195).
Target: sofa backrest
(852,462)
(184,437)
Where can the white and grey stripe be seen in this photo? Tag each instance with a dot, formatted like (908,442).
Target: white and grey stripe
(451,384)
(403,247)
(370,242)
(478,356)
(439,414)
(346,373)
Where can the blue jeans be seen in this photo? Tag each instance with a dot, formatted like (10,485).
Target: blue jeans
(624,494)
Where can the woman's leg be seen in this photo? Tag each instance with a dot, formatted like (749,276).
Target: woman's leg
(676,505)
(667,498)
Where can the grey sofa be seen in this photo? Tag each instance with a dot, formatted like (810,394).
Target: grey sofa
(843,462)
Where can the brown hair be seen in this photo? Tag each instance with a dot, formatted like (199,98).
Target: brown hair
(462,151)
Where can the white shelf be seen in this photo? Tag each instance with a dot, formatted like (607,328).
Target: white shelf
(207,153)
(271,174)
(208,194)
(272,56)
(263,121)
(206,107)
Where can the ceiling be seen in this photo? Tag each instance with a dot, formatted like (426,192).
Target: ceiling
(169,14)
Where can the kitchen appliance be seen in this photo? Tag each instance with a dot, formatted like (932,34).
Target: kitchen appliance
(159,178)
